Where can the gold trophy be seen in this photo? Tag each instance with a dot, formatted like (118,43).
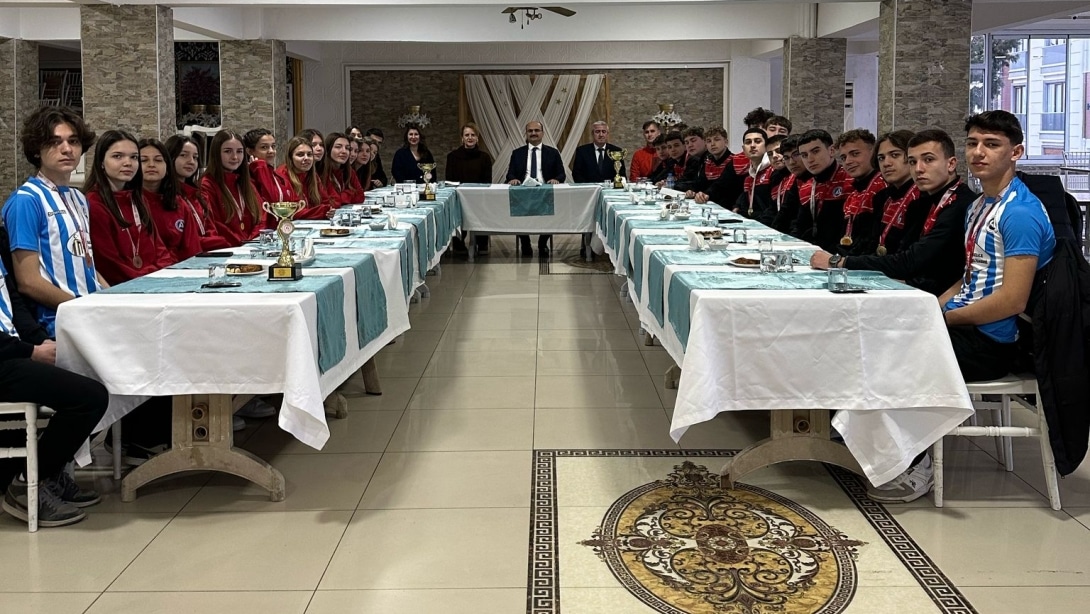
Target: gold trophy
(617,156)
(286,268)
(429,187)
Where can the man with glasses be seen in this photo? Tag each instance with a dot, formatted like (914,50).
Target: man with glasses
(541,163)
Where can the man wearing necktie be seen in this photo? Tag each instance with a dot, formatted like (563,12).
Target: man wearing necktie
(541,163)
(592,163)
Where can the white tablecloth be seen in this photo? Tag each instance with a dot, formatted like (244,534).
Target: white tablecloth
(171,344)
(488,209)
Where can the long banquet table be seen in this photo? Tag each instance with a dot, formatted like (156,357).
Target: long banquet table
(163,335)
(503,209)
(746,340)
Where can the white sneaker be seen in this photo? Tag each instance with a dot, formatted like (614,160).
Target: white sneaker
(914,483)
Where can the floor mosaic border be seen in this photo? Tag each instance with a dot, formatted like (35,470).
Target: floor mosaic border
(543,590)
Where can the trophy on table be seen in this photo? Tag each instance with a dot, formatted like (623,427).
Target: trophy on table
(429,187)
(286,268)
(618,156)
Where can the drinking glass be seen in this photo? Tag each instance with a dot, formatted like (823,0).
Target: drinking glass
(764,245)
(217,273)
(740,235)
(838,280)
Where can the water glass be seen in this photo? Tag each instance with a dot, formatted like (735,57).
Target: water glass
(838,280)
(764,245)
(217,273)
(776,262)
(740,235)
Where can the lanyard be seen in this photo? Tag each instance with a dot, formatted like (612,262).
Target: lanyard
(933,216)
(984,210)
(894,214)
(238,209)
(196,216)
(76,215)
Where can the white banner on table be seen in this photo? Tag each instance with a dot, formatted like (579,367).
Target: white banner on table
(488,209)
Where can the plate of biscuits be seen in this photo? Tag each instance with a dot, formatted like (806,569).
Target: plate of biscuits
(745,261)
(335,232)
(244,269)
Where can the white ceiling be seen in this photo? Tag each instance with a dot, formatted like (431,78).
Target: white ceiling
(751,22)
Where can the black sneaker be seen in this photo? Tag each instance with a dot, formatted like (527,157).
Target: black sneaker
(65,487)
(52,512)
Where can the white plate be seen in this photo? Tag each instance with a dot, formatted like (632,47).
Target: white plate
(733,261)
(245,274)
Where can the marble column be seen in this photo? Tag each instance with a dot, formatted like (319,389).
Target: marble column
(923,64)
(18,98)
(813,83)
(128,69)
(254,86)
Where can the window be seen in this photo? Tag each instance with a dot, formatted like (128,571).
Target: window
(1018,100)
(1055,97)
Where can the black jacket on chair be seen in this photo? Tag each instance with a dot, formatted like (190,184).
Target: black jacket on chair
(1060,308)
(585,167)
(552,167)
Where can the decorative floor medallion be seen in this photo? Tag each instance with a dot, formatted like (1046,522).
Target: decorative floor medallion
(684,545)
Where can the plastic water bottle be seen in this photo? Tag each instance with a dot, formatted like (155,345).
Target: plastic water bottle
(670,181)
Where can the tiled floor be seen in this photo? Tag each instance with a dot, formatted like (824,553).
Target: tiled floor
(421,501)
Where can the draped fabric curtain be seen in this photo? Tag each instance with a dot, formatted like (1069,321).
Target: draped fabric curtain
(502,105)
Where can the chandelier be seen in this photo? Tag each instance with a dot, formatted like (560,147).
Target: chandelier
(414,116)
(666,116)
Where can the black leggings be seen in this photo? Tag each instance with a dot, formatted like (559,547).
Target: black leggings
(79,403)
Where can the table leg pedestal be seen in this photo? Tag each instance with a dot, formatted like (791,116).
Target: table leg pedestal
(672,377)
(796,435)
(336,405)
(471,246)
(202,440)
(371,384)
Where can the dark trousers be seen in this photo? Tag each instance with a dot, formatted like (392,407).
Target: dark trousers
(79,403)
(542,241)
(980,357)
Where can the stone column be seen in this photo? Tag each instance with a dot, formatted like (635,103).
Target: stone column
(18,98)
(128,69)
(813,83)
(923,64)
(254,86)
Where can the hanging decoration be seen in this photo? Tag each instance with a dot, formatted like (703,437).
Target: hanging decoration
(666,116)
(415,117)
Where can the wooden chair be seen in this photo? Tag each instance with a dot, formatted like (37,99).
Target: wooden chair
(1010,388)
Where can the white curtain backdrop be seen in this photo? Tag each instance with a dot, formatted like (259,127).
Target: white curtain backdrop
(493,100)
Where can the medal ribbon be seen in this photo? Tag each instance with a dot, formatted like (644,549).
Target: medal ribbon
(895,211)
(933,216)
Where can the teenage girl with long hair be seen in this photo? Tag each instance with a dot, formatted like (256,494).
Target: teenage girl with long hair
(227,188)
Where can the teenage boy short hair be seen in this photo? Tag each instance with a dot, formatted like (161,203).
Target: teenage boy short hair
(694,131)
(757,117)
(652,122)
(934,135)
(1002,122)
(789,143)
(760,131)
(715,131)
(779,120)
(38,130)
(859,134)
(778,139)
(659,140)
(673,136)
(816,134)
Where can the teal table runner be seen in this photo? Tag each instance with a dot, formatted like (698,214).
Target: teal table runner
(639,242)
(683,283)
(327,289)
(537,201)
(371,316)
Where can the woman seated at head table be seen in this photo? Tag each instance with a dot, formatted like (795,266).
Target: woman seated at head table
(341,185)
(184,158)
(169,216)
(125,242)
(229,190)
(413,151)
(470,164)
(298,170)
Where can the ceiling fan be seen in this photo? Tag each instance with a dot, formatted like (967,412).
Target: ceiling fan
(531,13)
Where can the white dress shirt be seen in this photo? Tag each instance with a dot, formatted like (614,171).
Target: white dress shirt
(529,157)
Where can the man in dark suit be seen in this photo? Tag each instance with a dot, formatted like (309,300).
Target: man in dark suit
(540,162)
(592,163)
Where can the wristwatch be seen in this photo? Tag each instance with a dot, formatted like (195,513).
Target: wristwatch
(834,261)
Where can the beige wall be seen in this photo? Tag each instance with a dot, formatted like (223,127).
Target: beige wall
(378,98)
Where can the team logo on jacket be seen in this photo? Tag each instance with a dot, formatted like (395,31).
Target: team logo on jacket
(179,225)
(837,191)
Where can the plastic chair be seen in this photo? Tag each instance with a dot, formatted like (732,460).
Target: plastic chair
(1016,388)
(31,422)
